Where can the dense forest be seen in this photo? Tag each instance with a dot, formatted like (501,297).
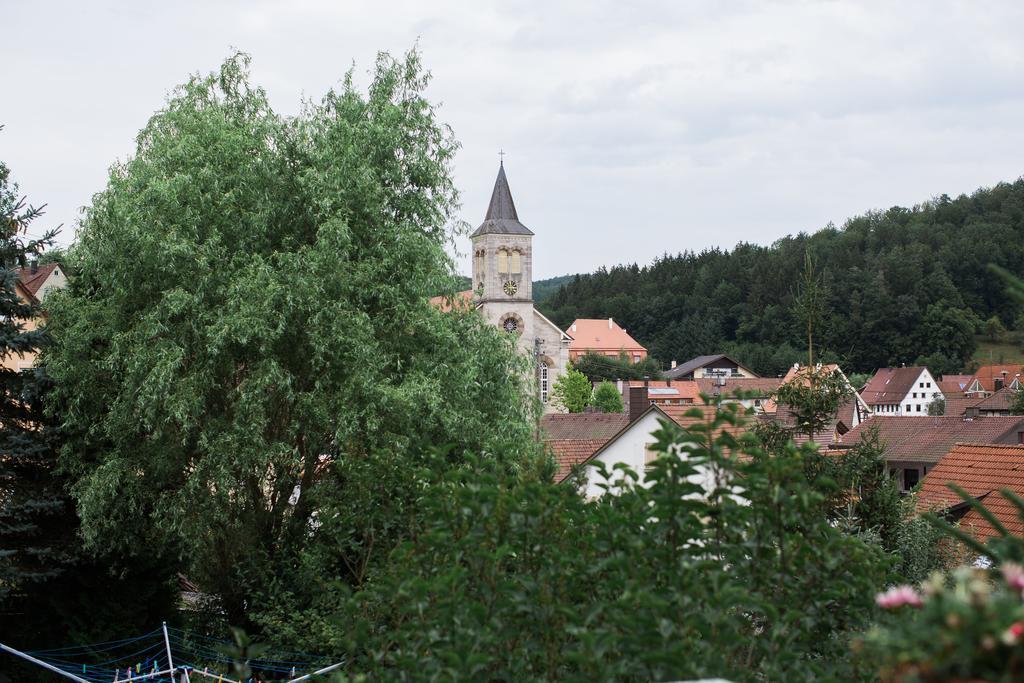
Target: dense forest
(903,286)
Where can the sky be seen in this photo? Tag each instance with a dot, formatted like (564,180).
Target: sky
(631,129)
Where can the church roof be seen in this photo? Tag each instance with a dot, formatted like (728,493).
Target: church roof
(501,216)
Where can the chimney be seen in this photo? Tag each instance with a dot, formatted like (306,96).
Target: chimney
(668,381)
(673,365)
(638,402)
(647,380)
(35,266)
(574,327)
(999,383)
(609,323)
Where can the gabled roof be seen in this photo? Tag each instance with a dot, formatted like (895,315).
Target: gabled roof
(890,385)
(723,386)
(560,426)
(1000,400)
(986,376)
(501,215)
(689,366)
(662,390)
(927,439)
(685,416)
(602,334)
(32,281)
(982,471)
(952,384)
(571,452)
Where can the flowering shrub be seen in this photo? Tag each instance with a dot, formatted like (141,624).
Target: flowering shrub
(966,627)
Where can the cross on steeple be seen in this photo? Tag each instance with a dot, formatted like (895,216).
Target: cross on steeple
(501,157)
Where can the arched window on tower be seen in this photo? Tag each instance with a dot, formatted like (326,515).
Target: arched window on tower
(502,261)
(516,265)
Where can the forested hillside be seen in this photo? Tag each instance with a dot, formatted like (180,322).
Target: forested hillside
(903,286)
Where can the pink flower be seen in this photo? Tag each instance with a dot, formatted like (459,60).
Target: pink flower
(1013,634)
(898,596)
(1014,575)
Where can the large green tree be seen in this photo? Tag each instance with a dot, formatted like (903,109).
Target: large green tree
(250,325)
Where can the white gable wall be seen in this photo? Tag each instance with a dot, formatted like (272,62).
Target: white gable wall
(630,448)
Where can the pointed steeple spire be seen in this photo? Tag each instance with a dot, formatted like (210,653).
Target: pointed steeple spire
(501,212)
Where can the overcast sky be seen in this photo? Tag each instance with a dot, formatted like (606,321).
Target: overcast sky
(631,128)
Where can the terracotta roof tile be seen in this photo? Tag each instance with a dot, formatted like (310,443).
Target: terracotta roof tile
(588,426)
(33,281)
(986,376)
(952,384)
(571,452)
(982,471)
(722,386)
(600,335)
(445,303)
(927,439)
(662,389)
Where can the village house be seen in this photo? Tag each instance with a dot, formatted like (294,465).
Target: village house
(751,392)
(715,365)
(631,446)
(850,413)
(988,379)
(35,282)
(603,337)
(503,289)
(662,392)
(952,385)
(983,471)
(914,446)
(901,391)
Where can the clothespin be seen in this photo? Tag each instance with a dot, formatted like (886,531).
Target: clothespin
(138,668)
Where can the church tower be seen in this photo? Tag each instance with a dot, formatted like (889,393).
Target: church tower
(503,286)
(502,262)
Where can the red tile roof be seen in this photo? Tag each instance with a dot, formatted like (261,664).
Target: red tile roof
(660,390)
(33,281)
(1001,400)
(957,404)
(445,303)
(952,384)
(571,452)
(723,386)
(982,471)
(927,439)
(890,385)
(588,426)
(986,376)
(600,335)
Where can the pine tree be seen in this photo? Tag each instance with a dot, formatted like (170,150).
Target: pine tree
(30,501)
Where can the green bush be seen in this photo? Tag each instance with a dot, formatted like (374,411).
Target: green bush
(508,579)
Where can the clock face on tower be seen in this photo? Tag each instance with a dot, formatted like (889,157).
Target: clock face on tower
(511,287)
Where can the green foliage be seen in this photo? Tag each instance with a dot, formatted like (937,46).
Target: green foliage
(250,324)
(883,273)
(809,303)
(543,289)
(607,398)
(572,391)
(52,591)
(813,397)
(1017,402)
(937,406)
(600,368)
(994,329)
(509,579)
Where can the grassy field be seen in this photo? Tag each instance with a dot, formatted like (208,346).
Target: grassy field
(1005,352)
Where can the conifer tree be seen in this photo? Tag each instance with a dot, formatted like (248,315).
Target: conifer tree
(28,499)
